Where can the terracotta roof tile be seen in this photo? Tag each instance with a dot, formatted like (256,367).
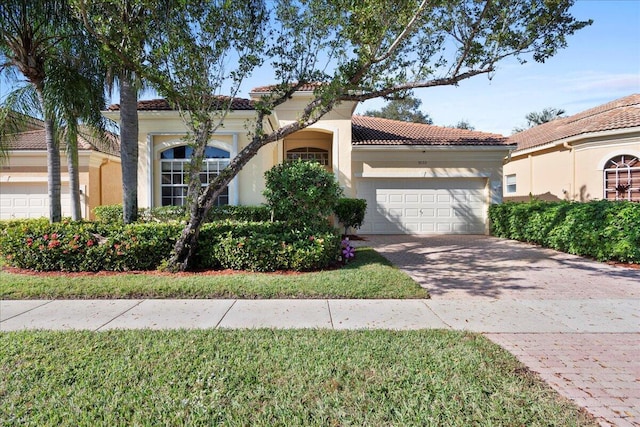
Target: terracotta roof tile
(619,114)
(307,87)
(36,140)
(163,105)
(377,131)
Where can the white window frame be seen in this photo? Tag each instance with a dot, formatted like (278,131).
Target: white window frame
(510,183)
(210,168)
(621,169)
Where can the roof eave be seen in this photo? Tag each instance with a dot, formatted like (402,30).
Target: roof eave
(582,137)
(415,147)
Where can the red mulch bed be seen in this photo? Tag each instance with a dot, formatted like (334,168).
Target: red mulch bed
(227,272)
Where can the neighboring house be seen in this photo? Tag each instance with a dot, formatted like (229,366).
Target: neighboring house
(416,178)
(591,155)
(23,176)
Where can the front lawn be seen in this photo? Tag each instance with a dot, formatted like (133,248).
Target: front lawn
(369,276)
(270,377)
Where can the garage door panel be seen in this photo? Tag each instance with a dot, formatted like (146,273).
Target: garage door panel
(412,213)
(29,200)
(424,206)
(427,228)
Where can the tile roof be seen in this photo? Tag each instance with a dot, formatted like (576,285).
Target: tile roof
(378,131)
(163,104)
(36,140)
(307,87)
(619,114)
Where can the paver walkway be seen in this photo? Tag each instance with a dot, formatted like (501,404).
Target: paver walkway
(597,364)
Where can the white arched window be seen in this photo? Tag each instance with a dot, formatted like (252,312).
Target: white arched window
(174,163)
(622,178)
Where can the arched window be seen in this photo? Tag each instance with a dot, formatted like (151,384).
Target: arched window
(174,164)
(311,154)
(622,178)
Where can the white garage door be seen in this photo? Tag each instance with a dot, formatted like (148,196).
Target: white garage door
(423,206)
(28,200)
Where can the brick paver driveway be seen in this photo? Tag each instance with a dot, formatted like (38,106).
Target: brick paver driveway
(588,347)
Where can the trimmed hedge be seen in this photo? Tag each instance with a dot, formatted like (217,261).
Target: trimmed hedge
(604,230)
(110,214)
(93,246)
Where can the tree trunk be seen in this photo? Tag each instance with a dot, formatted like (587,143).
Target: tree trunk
(74,173)
(129,148)
(53,165)
(186,245)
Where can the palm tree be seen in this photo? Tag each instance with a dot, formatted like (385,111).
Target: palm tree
(131,36)
(536,118)
(77,85)
(30,31)
(548,114)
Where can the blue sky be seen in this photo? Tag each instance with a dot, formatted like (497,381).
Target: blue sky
(600,64)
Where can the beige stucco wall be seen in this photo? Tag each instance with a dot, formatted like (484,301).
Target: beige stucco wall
(336,124)
(159,130)
(96,187)
(571,171)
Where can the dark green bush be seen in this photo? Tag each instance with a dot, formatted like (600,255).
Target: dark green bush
(163,214)
(350,212)
(109,214)
(600,229)
(301,193)
(240,213)
(266,246)
(93,246)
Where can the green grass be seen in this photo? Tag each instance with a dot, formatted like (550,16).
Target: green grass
(270,377)
(369,276)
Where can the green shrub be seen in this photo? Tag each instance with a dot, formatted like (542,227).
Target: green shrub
(240,213)
(163,214)
(86,246)
(350,212)
(301,193)
(266,246)
(601,229)
(93,246)
(109,214)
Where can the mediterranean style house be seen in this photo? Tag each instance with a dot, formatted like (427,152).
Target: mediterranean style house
(591,155)
(416,178)
(23,176)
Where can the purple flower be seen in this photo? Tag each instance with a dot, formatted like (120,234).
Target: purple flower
(349,252)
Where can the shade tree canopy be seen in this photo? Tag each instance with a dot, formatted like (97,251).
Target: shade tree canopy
(406,109)
(203,53)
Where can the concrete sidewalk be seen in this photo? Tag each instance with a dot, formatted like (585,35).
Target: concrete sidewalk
(484,316)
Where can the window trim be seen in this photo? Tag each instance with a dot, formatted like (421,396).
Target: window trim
(219,162)
(511,187)
(625,169)
(310,150)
